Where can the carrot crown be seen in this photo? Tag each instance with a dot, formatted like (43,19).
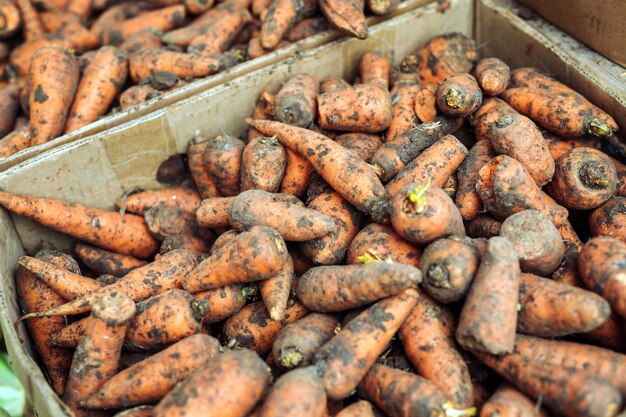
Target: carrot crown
(599,128)
(371,256)
(450,411)
(417,196)
(454,99)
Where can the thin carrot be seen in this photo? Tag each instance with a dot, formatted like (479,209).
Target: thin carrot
(467,199)
(558,146)
(492,75)
(280,17)
(363,145)
(296,393)
(137,94)
(382,242)
(382,7)
(222,159)
(223,302)
(297,174)
(374,68)
(10,19)
(263,110)
(187,199)
(276,290)
(222,240)
(141,41)
(145,64)
(403,109)
(307,28)
(444,56)
(199,171)
(31,23)
(609,219)
(295,103)
(347,16)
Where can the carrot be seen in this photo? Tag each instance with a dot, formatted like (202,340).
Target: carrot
(222,159)
(275,291)
(600,264)
(280,17)
(296,393)
(80,8)
(487,321)
(297,174)
(507,401)
(239,375)
(9,107)
(448,267)
(376,240)
(423,213)
(295,103)
(165,221)
(610,334)
(345,359)
(338,288)
(492,75)
(360,408)
(601,362)
(186,199)
(213,212)
(199,172)
(99,85)
(609,219)
(459,95)
(163,19)
(361,108)
(430,164)
(184,35)
(163,274)
(307,28)
(428,339)
(483,226)
(53,77)
(298,341)
(140,411)
(517,136)
(467,199)
(536,240)
(252,327)
(251,256)
(164,319)
(34,295)
(444,56)
(14,142)
(331,248)
(558,146)
(222,240)
(426,103)
(187,242)
(183,65)
(620,169)
(566,391)
(382,7)
(347,16)
(506,187)
(114,15)
(141,41)
(220,35)
(567,272)
(490,110)
(255,49)
(97,355)
(375,69)
(31,23)
(263,165)
(349,176)
(69,336)
(10,19)
(363,145)
(151,379)
(21,55)
(332,83)
(263,110)
(223,302)
(197,6)
(403,109)
(137,94)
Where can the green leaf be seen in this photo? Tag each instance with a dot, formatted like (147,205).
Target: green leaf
(12,397)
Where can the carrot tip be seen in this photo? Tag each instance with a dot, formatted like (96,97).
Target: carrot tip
(454,99)
(290,358)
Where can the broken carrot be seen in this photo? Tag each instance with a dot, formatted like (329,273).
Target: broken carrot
(492,75)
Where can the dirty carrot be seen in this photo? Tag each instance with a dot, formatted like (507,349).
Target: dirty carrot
(136,95)
(199,172)
(507,401)
(444,56)
(295,104)
(363,145)
(106,262)
(9,106)
(467,199)
(16,141)
(483,119)
(492,75)
(222,240)
(360,408)
(332,83)
(263,110)
(306,28)
(220,35)
(276,290)
(223,302)
(141,41)
(426,103)
(187,199)
(222,159)
(163,19)
(558,146)
(297,174)
(296,393)
(376,240)
(280,17)
(31,23)
(145,64)
(375,69)
(347,16)
(165,221)
(263,163)
(459,95)
(188,242)
(403,109)
(213,212)
(609,219)
(10,18)
(139,411)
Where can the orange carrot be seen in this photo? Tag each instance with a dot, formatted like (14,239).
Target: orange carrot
(220,35)
(459,95)
(382,242)
(223,302)
(9,106)
(10,19)
(137,94)
(222,240)
(507,401)
(276,290)
(347,16)
(263,110)
(375,69)
(140,411)
(296,393)
(360,408)
(297,174)
(444,56)
(307,28)
(222,159)
(426,103)
(14,142)
(145,64)
(330,84)
(467,199)
(213,212)
(382,7)
(31,23)
(165,221)
(610,219)
(188,242)
(280,17)
(483,119)
(363,145)
(163,19)
(263,163)
(403,108)
(558,146)
(295,102)
(492,75)
(141,41)
(185,198)
(199,172)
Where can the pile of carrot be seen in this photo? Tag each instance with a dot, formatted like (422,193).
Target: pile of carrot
(66,63)
(439,238)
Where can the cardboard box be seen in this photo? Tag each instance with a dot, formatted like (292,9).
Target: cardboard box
(96,170)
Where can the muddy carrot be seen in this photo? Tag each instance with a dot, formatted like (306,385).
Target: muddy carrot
(99,85)
(567,272)
(483,119)
(428,339)
(609,335)
(295,103)
(34,295)
(183,65)
(483,226)
(376,240)
(9,107)
(430,164)
(276,290)
(609,219)
(141,41)
(558,146)
(31,23)
(403,109)
(349,176)
(252,327)
(347,16)
(280,17)
(165,221)
(222,158)
(426,103)
(222,240)
(330,84)
(536,240)
(223,302)
(363,145)
(220,35)
(16,141)
(10,19)
(492,75)
(360,408)
(504,180)
(459,95)
(360,108)
(488,318)
(296,393)
(566,391)
(163,19)
(448,267)
(467,199)
(251,256)
(297,174)
(197,6)
(136,95)
(213,212)
(307,28)
(242,374)
(508,401)
(375,69)
(187,242)
(382,7)
(97,355)
(263,110)
(620,189)
(187,199)
(263,163)
(444,56)
(53,78)
(423,213)
(199,171)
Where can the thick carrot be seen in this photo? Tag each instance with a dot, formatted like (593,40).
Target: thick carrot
(506,187)
(459,95)
(349,176)
(507,401)
(222,240)
(360,108)
(165,221)
(363,145)
(567,272)
(296,393)
(188,242)
(34,295)
(360,408)
(53,79)
(252,327)
(483,119)
(609,335)
(536,240)
(197,6)
(21,55)
(426,103)
(251,256)
(213,212)
(10,19)
(276,290)
(223,302)
(183,65)
(566,391)
(488,318)
(609,219)
(141,41)
(331,248)
(263,163)
(467,199)
(106,262)
(295,103)
(164,273)
(376,240)
(338,288)
(431,164)
(620,189)
(80,8)
(297,174)
(307,28)
(220,35)
(517,136)
(428,339)
(345,359)
(239,375)
(9,107)
(14,142)
(347,16)
(31,24)
(222,159)
(448,267)
(332,83)
(492,75)
(97,355)
(69,336)
(444,56)
(199,171)
(163,19)
(374,68)
(423,213)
